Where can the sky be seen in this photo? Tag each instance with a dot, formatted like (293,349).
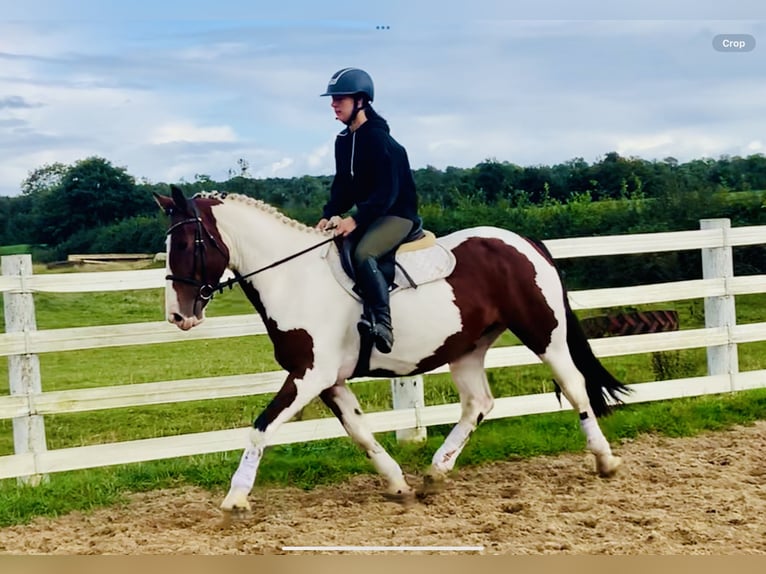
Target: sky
(176,89)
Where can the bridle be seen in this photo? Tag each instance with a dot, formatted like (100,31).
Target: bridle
(206,289)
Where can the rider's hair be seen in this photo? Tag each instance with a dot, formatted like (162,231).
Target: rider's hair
(370,112)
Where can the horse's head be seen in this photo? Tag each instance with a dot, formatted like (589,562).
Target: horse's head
(196,257)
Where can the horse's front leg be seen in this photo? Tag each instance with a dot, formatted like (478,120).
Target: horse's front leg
(291,398)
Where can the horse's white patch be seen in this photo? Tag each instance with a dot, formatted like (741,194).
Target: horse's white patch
(173,308)
(423,319)
(171,298)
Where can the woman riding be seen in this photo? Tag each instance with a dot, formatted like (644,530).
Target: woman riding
(372,174)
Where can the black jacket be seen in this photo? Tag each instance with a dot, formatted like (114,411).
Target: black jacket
(372,172)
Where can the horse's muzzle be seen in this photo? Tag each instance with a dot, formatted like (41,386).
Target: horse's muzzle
(183,323)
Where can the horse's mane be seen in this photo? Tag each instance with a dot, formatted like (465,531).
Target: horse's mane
(258,204)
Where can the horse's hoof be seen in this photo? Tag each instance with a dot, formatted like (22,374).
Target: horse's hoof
(236,502)
(403,497)
(609,467)
(432,484)
(229,517)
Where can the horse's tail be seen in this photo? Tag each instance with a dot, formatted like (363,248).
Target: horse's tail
(599,383)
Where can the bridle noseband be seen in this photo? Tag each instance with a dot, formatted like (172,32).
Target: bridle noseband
(206,290)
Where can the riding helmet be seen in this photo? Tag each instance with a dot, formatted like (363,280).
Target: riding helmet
(349,82)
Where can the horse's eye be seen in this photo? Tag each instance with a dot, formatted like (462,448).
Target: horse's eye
(180,244)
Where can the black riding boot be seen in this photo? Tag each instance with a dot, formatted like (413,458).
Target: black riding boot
(375,293)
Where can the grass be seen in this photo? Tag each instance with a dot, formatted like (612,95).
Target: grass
(319,462)
(16,249)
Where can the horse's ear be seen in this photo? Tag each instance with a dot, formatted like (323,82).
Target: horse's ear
(166,203)
(179,199)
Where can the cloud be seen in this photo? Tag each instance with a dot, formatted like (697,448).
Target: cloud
(320,158)
(179,97)
(281,165)
(16,102)
(188,133)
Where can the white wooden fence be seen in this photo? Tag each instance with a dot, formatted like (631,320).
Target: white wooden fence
(28,402)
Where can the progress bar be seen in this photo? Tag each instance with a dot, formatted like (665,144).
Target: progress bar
(383,548)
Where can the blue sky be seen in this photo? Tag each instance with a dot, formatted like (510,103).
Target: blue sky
(173,89)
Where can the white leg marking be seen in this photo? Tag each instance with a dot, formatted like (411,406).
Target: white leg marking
(444,458)
(356,426)
(597,442)
(572,384)
(244,477)
(606,463)
(476,402)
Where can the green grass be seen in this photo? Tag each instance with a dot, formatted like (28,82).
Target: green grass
(319,462)
(16,249)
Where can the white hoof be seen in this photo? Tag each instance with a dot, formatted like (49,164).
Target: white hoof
(607,466)
(402,493)
(404,498)
(236,501)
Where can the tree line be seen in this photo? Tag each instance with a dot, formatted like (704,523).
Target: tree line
(93,206)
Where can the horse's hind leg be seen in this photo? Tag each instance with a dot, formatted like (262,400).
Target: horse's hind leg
(344,404)
(572,384)
(475,401)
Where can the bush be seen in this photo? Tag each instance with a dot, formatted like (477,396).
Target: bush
(142,234)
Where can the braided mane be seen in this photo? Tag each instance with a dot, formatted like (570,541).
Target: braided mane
(258,204)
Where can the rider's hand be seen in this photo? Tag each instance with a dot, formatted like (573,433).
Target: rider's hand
(345,226)
(322,225)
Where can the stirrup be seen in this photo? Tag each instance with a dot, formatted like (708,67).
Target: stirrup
(365,327)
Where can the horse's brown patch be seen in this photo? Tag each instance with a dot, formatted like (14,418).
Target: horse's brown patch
(489,279)
(283,399)
(293,349)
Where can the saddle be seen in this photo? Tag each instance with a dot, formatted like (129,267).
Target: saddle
(419,259)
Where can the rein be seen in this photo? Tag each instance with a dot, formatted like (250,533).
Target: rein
(206,290)
(238,278)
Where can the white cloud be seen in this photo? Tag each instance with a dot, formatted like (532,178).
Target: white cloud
(320,158)
(279,167)
(189,133)
(645,144)
(174,99)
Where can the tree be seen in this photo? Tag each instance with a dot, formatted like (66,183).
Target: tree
(496,180)
(44,179)
(91,193)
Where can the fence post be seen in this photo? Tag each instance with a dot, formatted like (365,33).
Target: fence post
(718,262)
(407,393)
(24,369)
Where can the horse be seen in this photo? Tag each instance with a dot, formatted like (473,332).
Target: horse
(500,281)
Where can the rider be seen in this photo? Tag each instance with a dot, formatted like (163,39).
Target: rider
(372,173)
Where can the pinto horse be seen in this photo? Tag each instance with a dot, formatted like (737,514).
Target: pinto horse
(499,281)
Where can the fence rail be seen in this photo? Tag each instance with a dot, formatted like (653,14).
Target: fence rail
(28,403)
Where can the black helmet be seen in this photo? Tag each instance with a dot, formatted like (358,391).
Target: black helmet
(350,81)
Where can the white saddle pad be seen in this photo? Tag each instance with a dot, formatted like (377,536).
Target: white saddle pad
(422,265)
